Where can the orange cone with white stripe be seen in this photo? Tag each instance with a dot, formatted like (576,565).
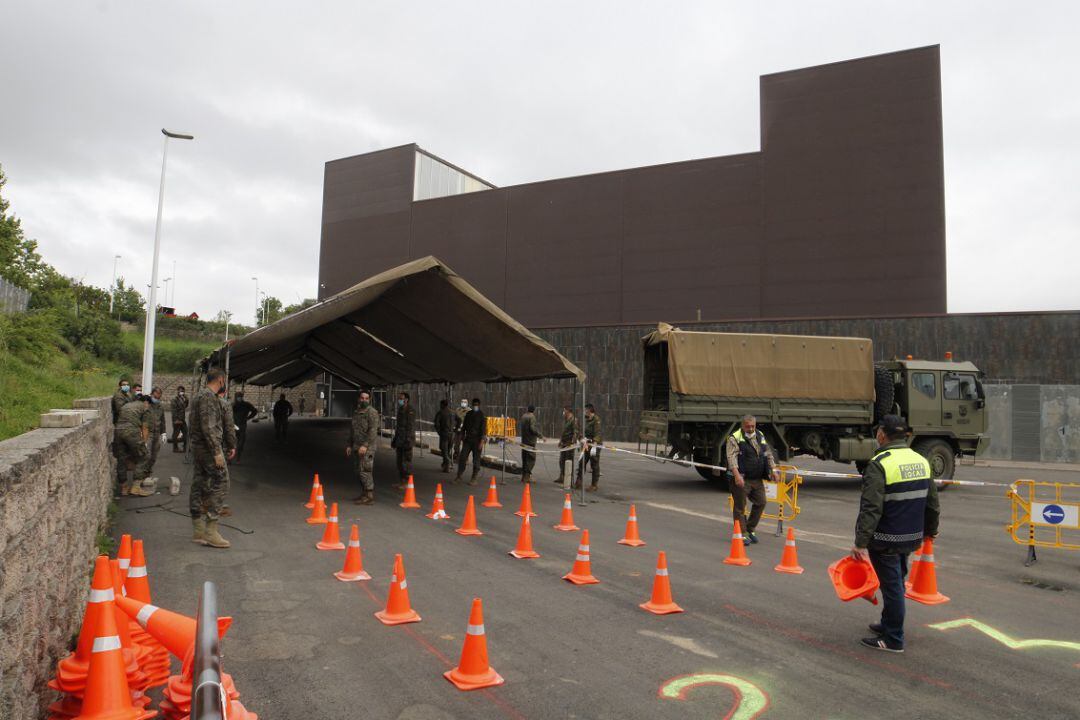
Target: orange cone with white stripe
(331,540)
(566,523)
(438,510)
(789,561)
(661,603)
(468,525)
(318,512)
(123,555)
(526,503)
(354,560)
(398,610)
(492,496)
(631,536)
(136,656)
(137,587)
(923,586)
(737,556)
(524,549)
(581,573)
(410,496)
(107,695)
(314,492)
(473,671)
(174,631)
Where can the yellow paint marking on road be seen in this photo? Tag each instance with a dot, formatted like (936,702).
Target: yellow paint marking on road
(1006,640)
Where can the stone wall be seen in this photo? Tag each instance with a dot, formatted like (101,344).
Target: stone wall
(55,487)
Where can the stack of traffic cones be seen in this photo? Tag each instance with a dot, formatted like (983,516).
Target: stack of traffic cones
(123,555)
(789,561)
(314,493)
(176,703)
(354,560)
(922,586)
(473,671)
(661,602)
(526,503)
(737,556)
(398,611)
(524,548)
(492,500)
(318,510)
(468,525)
(137,587)
(330,539)
(581,573)
(631,536)
(410,496)
(566,523)
(438,510)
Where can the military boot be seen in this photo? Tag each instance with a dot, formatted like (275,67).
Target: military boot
(472,480)
(368,498)
(138,490)
(457,479)
(213,537)
(198,526)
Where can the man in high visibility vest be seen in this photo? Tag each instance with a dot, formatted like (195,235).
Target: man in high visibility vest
(899,507)
(750,462)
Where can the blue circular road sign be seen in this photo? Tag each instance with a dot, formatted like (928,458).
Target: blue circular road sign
(1053,514)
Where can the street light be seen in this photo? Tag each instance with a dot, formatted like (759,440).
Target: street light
(166,283)
(112,292)
(151,305)
(256,301)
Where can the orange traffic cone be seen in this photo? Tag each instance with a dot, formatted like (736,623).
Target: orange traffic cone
(174,631)
(526,503)
(137,587)
(136,656)
(853,578)
(176,702)
(314,492)
(123,555)
(108,696)
(789,561)
(566,523)
(632,539)
(492,496)
(524,547)
(468,525)
(473,671)
(737,556)
(410,496)
(581,574)
(923,585)
(354,560)
(318,513)
(398,611)
(438,510)
(661,602)
(330,539)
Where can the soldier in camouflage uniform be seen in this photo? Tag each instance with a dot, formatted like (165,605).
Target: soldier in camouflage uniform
(594,437)
(363,439)
(404,437)
(120,398)
(158,435)
(530,433)
(461,411)
(132,431)
(213,440)
(179,419)
(446,426)
(567,440)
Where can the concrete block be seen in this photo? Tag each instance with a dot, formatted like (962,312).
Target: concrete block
(999,414)
(1060,438)
(61,419)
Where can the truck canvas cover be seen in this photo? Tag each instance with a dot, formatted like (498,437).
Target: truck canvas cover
(747,365)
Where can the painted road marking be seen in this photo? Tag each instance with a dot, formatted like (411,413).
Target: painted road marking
(1007,641)
(829,539)
(750,700)
(685,643)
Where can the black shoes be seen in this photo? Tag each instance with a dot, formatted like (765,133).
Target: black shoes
(877,628)
(878,643)
(751,538)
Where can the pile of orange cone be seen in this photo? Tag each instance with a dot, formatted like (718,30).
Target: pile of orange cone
(137,587)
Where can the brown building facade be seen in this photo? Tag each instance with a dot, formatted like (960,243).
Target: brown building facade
(846,195)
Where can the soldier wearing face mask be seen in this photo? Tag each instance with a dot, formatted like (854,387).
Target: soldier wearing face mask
(461,411)
(121,397)
(158,435)
(179,419)
(404,437)
(363,439)
(474,434)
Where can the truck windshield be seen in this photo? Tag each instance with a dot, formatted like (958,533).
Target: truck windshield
(960,387)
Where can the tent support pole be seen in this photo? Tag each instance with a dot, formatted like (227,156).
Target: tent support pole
(581,467)
(506,427)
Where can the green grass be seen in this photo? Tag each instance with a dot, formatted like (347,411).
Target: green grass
(173,355)
(28,389)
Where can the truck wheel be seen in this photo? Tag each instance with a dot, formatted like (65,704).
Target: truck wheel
(884,392)
(941,457)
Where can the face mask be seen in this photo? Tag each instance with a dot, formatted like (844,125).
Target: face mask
(181,393)
(475,407)
(155,400)
(401,403)
(464,404)
(364,404)
(125,388)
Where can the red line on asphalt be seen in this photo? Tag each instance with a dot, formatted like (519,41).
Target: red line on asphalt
(509,709)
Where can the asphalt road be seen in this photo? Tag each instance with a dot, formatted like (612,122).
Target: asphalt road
(304,645)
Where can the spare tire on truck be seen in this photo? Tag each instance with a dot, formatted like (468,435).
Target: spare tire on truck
(884,392)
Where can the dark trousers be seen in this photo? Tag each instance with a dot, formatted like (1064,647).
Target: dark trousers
(456,451)
(404,462)
(469,447)
(528,459)
(445,446)
(593,461)
(753,489)
(891,569)
(179,430)
(241,439)
(281,428)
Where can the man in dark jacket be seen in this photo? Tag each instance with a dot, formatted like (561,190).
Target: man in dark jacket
(898,509)
(473,436)
(569,437)
(750,462)
(446,426)
(242,411)
(404,437)
(282,410)
(530,433)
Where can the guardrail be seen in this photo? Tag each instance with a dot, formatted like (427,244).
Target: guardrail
(1041,518)
(785,494)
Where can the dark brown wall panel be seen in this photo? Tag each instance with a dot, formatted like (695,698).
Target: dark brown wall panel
(361,248)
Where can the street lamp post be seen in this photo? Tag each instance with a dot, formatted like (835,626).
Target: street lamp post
(112,291)
(256,301)
(172,300)
(151,305)
(166,282)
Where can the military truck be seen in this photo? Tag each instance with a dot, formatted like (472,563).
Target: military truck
(817,396)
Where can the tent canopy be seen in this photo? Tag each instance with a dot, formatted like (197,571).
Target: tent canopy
(416,323)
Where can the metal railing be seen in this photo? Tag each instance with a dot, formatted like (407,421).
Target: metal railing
(208,698)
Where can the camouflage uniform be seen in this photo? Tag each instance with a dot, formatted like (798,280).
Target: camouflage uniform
(446,425)
(459,434)
(157,429)
(404,439)
(212,434)
(364,432)
(595,436)
(567,440)
(529,435)
(119,400)
(133,421)
(241,412)
(179,421)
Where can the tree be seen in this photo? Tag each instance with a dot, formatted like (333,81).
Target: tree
(128,304)
(270,311)
(306,303)
(20,262)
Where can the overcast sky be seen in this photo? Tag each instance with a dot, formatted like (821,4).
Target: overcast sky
(512,91)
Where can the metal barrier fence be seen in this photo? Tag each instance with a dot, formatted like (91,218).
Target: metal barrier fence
(1041,514)
(784,493)
(208,698)
(13,299)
